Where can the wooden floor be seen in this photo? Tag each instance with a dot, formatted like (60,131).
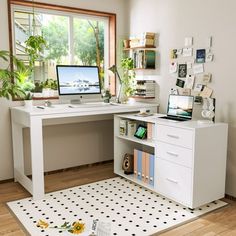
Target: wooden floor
(221,222)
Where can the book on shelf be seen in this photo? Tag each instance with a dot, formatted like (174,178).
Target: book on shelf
(123,127)
(144,59)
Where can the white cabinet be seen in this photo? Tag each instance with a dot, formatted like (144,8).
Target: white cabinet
(190,158)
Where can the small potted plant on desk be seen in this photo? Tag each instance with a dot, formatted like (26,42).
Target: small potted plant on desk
(106,95)
(28,87)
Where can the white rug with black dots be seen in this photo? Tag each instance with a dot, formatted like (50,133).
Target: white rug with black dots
(128,208)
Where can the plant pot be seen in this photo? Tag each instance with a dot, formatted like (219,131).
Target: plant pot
(126,43)
(46,92)
(28,104)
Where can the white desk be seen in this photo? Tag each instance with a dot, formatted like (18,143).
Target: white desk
(35,118)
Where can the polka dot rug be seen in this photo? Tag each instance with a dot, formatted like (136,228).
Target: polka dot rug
(125,207)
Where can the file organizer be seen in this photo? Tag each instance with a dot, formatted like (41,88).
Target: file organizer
(144,164)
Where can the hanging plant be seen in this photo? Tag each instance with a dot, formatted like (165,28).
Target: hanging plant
(35,45)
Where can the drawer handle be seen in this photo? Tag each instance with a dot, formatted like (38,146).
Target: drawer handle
(171,180)
(173,154)
(173,136)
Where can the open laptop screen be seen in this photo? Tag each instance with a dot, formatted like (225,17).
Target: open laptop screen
(180,106)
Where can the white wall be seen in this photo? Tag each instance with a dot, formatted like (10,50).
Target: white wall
(53,141)
(174,20)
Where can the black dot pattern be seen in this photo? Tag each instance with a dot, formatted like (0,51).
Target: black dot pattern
(127,209)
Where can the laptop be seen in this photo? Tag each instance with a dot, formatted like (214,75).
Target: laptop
(179,108)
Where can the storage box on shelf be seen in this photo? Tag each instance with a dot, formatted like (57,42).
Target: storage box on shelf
(145,89)
(189,158)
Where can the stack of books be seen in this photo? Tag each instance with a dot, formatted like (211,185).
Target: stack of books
(127,128)
(146,39)
(144,166)
(145,88)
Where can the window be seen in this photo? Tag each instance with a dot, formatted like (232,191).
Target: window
(74,36)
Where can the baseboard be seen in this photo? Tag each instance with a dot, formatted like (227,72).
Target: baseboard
(230,197)
(63,170)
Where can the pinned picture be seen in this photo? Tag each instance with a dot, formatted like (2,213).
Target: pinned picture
(200,55)
(189,82)
(173,54)
(207,92)
(198,87)
(187,52)
(209,57)
(174,91)
(180,83)
(186,92)
(198,69)
(173,67)
(182,71)
(206,78)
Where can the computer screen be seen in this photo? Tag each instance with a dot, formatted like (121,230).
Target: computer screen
(180,105)
(78,80)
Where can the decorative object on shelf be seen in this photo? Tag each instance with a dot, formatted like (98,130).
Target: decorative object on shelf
(10,88)
(126,43)
(208,108)
(106,95)
(128,164)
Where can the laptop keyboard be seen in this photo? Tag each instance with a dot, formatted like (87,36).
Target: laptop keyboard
(173,118)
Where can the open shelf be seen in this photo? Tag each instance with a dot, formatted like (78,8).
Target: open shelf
(146,142)
(135,180)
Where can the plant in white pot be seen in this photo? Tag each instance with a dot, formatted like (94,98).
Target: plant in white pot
(28,87)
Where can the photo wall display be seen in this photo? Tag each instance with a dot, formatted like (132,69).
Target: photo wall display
(188,67)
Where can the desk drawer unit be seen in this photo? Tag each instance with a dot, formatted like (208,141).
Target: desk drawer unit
(173,181)
(177,136)
(175,154)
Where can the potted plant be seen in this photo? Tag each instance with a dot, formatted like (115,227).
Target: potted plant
(128,82)
(28,87)
(10,77)
(35,45)
(106,95)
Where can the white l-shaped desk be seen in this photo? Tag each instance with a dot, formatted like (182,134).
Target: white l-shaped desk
(36,117)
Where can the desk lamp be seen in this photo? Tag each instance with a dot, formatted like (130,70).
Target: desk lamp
(114,70)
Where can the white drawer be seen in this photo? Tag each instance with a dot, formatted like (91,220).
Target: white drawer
(173,181)
(176,154)
(177,136)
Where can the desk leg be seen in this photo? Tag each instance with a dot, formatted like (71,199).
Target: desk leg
(36,139)
(18,156)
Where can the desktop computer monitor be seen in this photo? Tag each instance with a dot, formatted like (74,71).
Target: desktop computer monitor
(75,82)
